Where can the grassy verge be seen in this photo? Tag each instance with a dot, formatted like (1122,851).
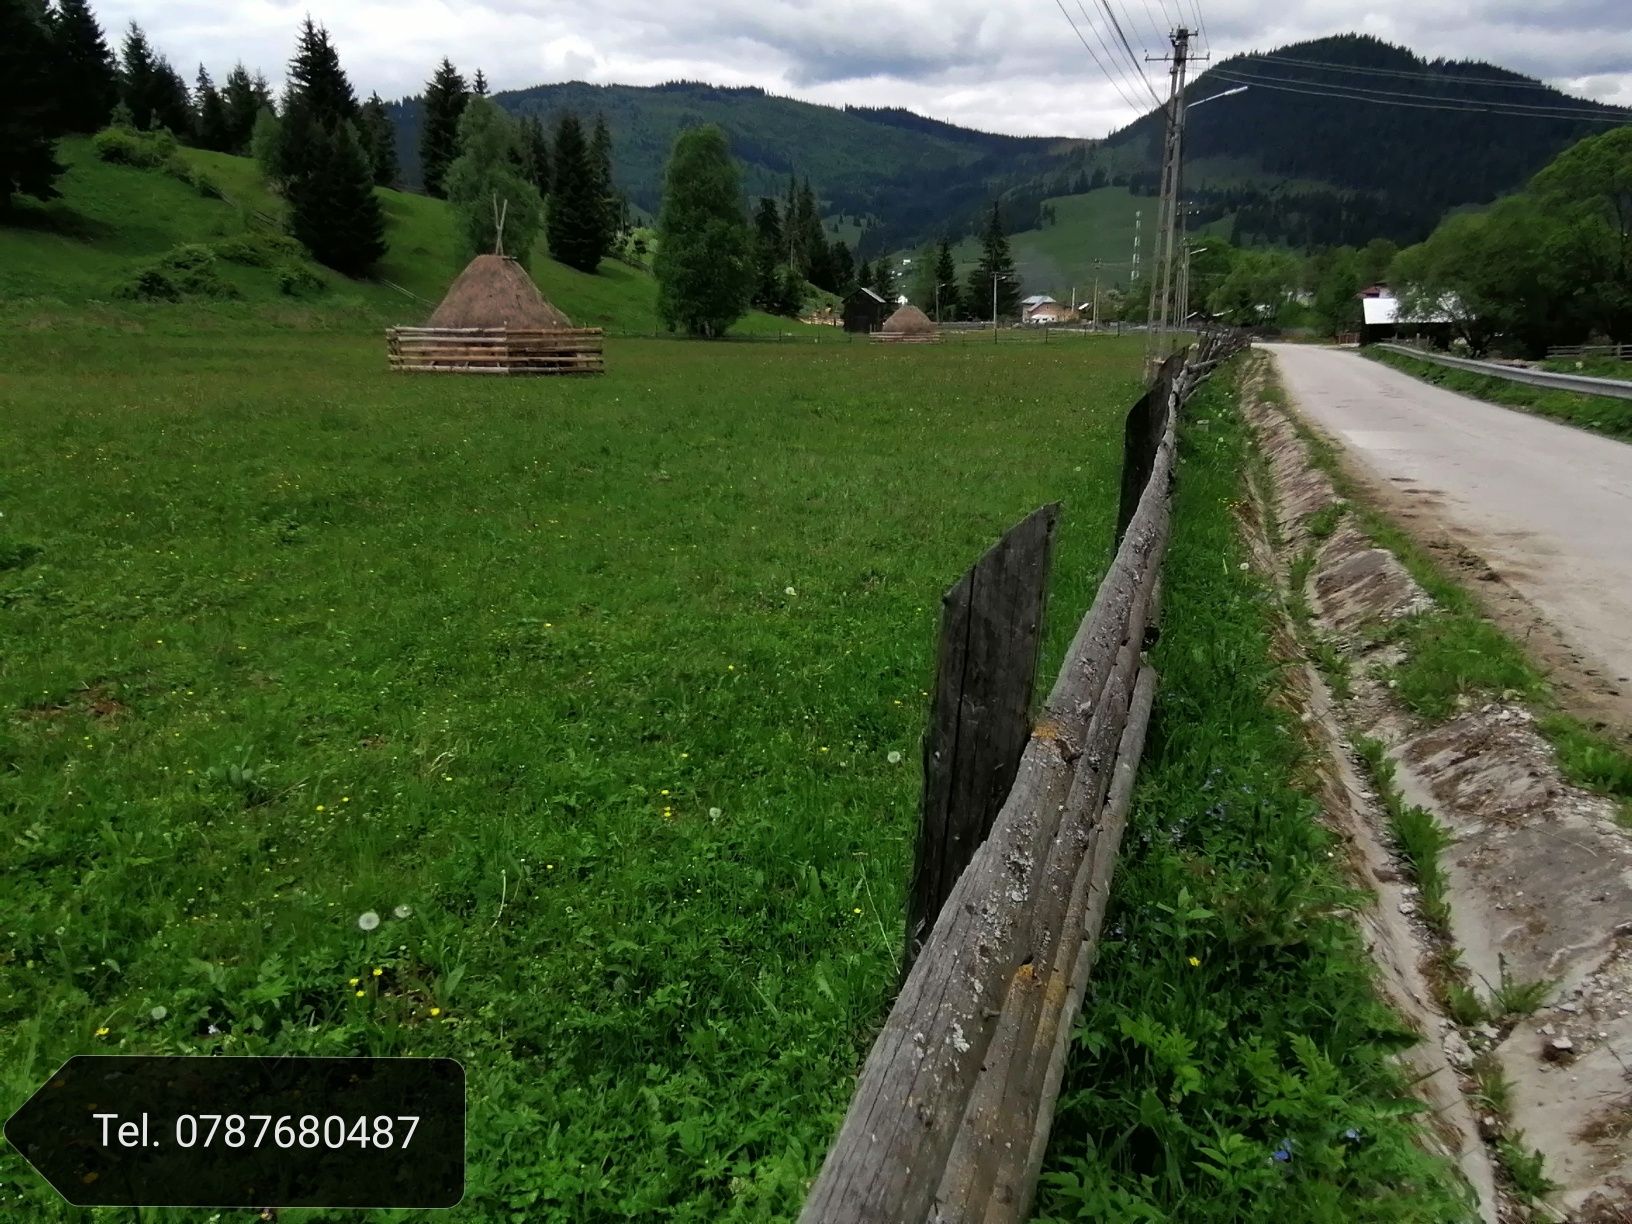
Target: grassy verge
(1233,1061)
(599,694)
(1455,654)
(1599,413)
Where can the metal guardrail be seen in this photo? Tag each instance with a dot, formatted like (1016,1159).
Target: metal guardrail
(1581,384)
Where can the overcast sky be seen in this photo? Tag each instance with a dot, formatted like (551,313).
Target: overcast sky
(1003,65)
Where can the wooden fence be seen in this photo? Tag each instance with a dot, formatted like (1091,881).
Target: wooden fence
(951,1113)
(1621,351)
(496,350)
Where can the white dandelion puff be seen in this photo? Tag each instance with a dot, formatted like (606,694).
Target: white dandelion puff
(368,920)
(160,1012)
(403,911)
(790,591)
(894,758)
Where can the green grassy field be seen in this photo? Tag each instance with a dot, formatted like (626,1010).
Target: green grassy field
(598,681)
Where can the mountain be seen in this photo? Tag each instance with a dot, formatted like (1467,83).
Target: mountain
(1285,162)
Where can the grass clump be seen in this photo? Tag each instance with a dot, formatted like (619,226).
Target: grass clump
(1525,1168)
(1599,413)
(1418,837)
(1233,1060)
(1452,657)
(187,271)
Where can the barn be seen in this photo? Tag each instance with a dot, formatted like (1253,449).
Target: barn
(865,311)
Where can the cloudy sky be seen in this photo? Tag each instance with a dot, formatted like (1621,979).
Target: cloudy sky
(1004,65)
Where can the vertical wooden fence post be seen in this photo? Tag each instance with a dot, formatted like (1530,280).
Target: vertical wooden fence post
(980,716)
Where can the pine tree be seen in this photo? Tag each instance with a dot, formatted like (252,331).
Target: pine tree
(86,83)
(172,104)
(844,267)
(946,276)
(809,242)
(535,153)
(444,103)
(210,130)
(479,85)
(577,213)
(884,279)
(864,275)
(317,82)
(484,178)
(379,136)
(600,163)
(332,206)
(29,121)
(767,255)
(996,267)
(241,107)
(704,265)
(138,76)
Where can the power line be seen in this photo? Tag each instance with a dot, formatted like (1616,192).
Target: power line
(1133,59)
(1108,74)
(1395,93)
(1400,72)
(1131,81)
(1153,25)
(1515,110)
(1201,24)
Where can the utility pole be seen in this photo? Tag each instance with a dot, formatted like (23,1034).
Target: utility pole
(1095,321)
(1169,224)
(1133,277)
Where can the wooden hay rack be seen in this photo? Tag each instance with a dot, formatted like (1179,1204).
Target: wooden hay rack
(496,350)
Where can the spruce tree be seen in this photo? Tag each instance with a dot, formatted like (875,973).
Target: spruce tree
(29,121)
(138,77)
(864,275)
(172,104)
(844,267)
(946,276)
(600,164)
(535,153)
(379,137)
(317,82)
(332,206)
(996,266)
(484,177)
(479,85)
(86,84)
(444,103)
(577,216)
(704,266)
(884,279)
(210,129)
(767,255)
(240,107)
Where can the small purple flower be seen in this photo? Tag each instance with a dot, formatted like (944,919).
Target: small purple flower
(1282,1154)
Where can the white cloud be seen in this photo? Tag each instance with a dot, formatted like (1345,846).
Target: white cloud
(1014,67)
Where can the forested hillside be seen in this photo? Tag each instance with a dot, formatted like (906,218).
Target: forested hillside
(1334,142)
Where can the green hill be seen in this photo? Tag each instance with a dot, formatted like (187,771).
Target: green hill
(69,256)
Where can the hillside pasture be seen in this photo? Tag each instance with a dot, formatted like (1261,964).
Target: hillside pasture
(602,697)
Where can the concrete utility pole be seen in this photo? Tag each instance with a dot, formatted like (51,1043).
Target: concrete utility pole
(1095,321)
(1134,275)
(1168,224)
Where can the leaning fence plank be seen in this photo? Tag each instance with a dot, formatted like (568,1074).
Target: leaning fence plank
(991,632)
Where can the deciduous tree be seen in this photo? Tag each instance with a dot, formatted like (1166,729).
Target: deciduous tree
(484,180)
(704,267)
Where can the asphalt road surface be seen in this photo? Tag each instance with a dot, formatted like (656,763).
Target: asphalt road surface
(1547,506)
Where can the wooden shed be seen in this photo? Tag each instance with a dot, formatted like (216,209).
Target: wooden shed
(493,320)
(864,311)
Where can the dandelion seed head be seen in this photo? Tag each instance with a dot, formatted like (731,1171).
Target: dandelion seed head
(368,920)
(894,758)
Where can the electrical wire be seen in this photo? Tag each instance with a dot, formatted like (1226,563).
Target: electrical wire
(1398,72)
(1153,26)
(1515,110)
(1132,82)
(1109,76)
(1133,59)
(1395,93)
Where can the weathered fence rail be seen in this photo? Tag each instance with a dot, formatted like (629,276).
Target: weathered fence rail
(1582,384)
(1621,351)
(952,1110)
(496,350)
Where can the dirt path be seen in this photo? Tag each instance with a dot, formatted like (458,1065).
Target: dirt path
(1538,510)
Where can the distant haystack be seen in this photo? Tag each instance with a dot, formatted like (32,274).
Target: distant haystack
(495,291)
(908,325)
(493,320)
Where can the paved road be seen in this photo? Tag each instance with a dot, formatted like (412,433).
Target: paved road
(1547,506)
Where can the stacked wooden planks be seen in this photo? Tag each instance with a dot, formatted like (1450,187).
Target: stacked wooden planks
(496,350)
(896,337)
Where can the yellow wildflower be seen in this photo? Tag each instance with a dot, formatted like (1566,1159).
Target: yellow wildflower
(1195,962)
(436,1011)
(103,1031)
(360,994)
(378,972)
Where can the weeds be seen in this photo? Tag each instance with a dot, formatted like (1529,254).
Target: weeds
(1233,1061)
(1524,1167)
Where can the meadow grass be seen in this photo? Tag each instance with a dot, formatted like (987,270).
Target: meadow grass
(589,689)
(1233,1061)
(1600,413)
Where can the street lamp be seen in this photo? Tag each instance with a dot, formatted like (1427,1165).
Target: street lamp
(1228,93)
(997,276)
(939,285)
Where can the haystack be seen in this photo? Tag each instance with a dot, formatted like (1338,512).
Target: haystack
(493,320)
(908,325)
(495,291)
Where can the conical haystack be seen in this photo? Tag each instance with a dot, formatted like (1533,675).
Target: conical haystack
(495,291)
(908,324)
